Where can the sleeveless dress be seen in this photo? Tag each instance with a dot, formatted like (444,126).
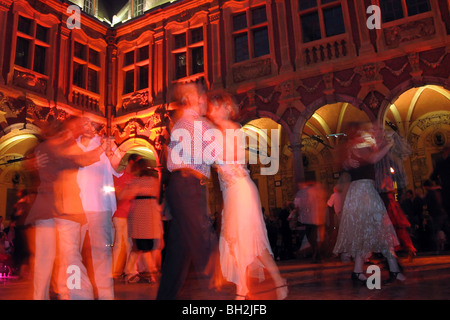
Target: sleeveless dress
(243,235)
(144,218)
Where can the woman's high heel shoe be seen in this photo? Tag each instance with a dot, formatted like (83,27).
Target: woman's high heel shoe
(282,291)
(395,277)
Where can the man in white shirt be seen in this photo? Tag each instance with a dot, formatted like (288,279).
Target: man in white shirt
(99,203)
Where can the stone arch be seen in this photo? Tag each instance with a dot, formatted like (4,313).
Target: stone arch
(403,87)
(299,128)
(18,141)
(419,122)
(317,104)
(270,115)
(139,145)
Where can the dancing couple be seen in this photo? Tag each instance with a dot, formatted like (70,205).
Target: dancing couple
(243,246)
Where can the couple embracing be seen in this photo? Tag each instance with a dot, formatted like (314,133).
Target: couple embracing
(243,245)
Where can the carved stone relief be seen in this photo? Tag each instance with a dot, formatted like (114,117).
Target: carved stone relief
(252,70)
(396,35)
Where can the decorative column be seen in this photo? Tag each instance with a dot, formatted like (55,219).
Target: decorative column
(63,74)
(216,44)
(3,28)
(361,17)
(286,65)
(160,70)
(111,59)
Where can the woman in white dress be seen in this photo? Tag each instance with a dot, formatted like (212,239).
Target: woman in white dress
(244,246)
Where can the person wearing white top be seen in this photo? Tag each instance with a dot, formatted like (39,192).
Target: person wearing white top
(99,203)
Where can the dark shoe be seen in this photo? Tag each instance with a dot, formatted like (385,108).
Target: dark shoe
(395,278)
(359,278)
(132,279)
(149,279)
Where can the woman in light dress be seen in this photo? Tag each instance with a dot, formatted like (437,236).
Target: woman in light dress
(365,226)
(244,246)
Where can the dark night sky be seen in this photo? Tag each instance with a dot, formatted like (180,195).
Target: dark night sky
(111,7)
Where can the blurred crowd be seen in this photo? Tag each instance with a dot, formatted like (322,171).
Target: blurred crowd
(88,222)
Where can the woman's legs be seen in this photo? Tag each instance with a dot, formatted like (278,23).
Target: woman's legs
(358,270)
(394,268)
(280,283)
(131,269)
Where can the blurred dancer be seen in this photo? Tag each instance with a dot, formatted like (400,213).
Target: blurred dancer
(335,201)
(398,217)
(244,246)
(391,164)
(58,208)
(310,202)
(191,236)
(144,222)
(99,203)
(42,213)
(122,242)
(365,225)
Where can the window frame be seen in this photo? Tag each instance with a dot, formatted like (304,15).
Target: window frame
(138,7)
(249,30)
(301,48)
(187,49)
(87,65)
(320,8)
(33,41)
(135,66)
(406,15)
(90,7)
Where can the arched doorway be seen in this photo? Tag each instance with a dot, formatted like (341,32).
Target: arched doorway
(18,142)
(138,146)
(272,173)
(422,117)
(322,134)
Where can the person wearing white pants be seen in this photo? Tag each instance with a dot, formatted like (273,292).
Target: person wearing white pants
(73,279)
(44,257)
(98,198)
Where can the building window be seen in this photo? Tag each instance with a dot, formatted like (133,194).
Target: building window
(320,19)
(188,53)
(86,67)
(138,7)
(32,45)
(397,9)
(250,34)
(89,6)
(136,70)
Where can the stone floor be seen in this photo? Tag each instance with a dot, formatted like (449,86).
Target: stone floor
(428,279)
